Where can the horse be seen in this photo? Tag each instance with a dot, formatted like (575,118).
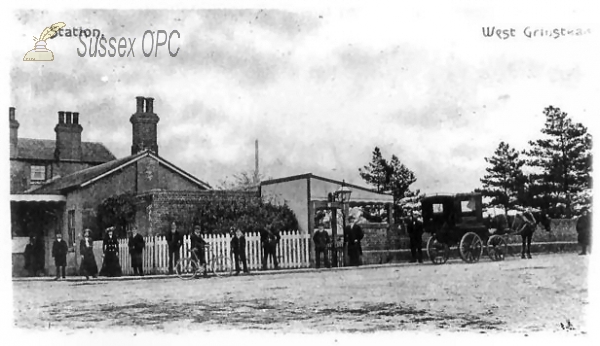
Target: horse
(524,224)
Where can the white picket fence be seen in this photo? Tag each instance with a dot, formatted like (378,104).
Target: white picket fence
(292,252)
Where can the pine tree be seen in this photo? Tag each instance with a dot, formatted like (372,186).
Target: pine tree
(563,160)
(388,177)
(375,173)
(504,180)
(399,178)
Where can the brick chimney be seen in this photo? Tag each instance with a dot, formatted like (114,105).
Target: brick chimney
(14,133)
(68,137)
(144,124)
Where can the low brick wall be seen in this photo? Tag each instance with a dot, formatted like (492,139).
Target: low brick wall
(383,244)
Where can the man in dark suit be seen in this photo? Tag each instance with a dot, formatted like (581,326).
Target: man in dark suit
(238,248)
(321,239)
(270,238)
(584,231)
(59,252)
(136,248)
(414,228)
(353,234)
(174,240)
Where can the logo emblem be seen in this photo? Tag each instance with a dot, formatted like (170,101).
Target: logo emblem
(40,52)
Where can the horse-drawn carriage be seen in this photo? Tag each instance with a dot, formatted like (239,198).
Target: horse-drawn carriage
(457,220)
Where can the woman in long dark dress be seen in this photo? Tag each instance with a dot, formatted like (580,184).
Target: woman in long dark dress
(88,262)
(110,246)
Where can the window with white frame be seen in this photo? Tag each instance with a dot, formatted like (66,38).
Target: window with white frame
(38,174)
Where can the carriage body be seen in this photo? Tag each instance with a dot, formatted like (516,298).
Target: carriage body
(457,220)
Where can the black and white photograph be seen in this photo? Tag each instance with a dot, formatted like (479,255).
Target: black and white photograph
(326,170)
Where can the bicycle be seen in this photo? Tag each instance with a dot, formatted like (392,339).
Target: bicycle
(217,264)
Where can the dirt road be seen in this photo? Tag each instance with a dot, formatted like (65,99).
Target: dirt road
(516,295)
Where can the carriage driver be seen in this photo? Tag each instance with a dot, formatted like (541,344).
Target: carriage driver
(198,247)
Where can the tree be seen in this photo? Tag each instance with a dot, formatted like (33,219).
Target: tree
(504,180)
(375,172)
(243,181)
(398,178)
(388,177)
(250,214)
(563,160)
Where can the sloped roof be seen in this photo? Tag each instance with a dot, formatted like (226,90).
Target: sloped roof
(43,149)
(92,174)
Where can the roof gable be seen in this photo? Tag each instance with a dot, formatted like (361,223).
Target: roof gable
(91,175)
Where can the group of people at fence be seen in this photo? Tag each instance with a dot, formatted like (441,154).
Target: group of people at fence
(111,267)
(269,238)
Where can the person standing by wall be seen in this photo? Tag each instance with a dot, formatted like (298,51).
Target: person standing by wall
(88,262)
(110,247)
(584,231)
(174,241)
(59,252)
(353,234)
(136,249)
(28,254)
(321,239)
(414,228)
(238,248)
(39,256)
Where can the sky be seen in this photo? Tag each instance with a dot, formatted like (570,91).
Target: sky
(319,87)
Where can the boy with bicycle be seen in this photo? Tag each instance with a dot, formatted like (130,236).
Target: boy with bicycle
(198,245)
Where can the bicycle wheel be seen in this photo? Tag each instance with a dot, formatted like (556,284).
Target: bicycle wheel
(187,268)
(221,265)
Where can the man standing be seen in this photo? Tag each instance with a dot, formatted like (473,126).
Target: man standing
(584,231)
(174,241)
(238,247)
(414,228)
(353,234)
(136,248)
(59,252)
(270,238)
(321,239)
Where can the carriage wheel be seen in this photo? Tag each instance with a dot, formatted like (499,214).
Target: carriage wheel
(437,252)
(496,248)
(470,248)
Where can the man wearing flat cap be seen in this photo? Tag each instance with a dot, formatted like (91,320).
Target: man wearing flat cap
(353,234)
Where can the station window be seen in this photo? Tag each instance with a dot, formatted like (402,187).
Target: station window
(38,174)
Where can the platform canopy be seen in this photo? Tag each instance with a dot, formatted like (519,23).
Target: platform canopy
(37,198)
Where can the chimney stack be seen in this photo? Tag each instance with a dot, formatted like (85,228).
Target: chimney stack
(140,104)
(68,137)
(149,105)
(144,126)
(14,132)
